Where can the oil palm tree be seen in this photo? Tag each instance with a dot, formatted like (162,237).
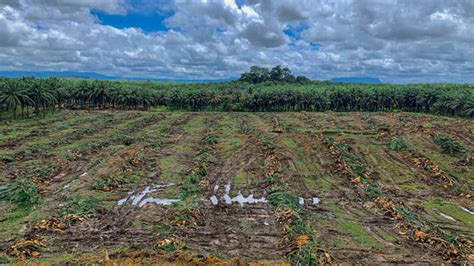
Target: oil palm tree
(14,94)
(41,95)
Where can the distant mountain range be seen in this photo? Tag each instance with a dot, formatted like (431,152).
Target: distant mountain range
(370,80)
(45,74)
(92,75)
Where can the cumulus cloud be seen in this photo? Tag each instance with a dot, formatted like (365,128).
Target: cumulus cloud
(396,40)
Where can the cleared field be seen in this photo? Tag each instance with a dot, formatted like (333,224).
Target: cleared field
(186,187)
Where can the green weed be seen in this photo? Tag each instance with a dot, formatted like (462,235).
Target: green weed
(284,200)
(374,190)
(162,228)
(240,178)
(7,158)
(345,151)
(450,146)
(191,186)
(359,234)
(274,182)
(21,192)
(210,139)
(266,141)
(79,206)
(113,181)
(398,144)
(123,139)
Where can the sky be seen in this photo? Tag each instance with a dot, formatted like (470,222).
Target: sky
(400,41)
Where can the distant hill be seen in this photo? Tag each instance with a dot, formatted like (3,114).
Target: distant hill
(93,75)
(371,80)
(45,74)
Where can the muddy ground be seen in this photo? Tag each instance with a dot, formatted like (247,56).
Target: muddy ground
(237,188)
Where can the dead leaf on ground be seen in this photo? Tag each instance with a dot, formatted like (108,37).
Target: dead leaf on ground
(301,240)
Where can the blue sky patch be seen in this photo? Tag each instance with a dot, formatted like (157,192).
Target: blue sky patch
(147,22)
(294,31)
(240,3)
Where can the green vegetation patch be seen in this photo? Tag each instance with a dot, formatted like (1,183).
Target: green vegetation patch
(299,226)
(284,200)
(324,185)
(240,178)
(347,155)
(13,134)
(399,143)
(411,187)
(21,192)
(82,206)
(113,181)
(449,208)
(230,143)
(290,143)
(16,217)
(194,125)
(310,182)
(450,146)
(228,122)
(171,168)
(388,168)
(359,234)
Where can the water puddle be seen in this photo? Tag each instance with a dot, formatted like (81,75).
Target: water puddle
(241,199)
(301,201)
(467,210)
(158,201)
(122,201)
(140,200)
(447,216)
(316,200)
(214,200)
(250,199)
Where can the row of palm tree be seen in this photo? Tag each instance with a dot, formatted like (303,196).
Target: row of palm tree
(33,95)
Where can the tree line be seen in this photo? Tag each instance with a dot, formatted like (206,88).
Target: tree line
(22,97)
(277,74)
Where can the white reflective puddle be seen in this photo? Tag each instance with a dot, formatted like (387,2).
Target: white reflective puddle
(158,201)
(250,199)
(316,200)
(447,216)
(467,210)
(140,200)
(301,201)
(214,200)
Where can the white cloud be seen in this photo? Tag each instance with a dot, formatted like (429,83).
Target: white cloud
(400,40)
